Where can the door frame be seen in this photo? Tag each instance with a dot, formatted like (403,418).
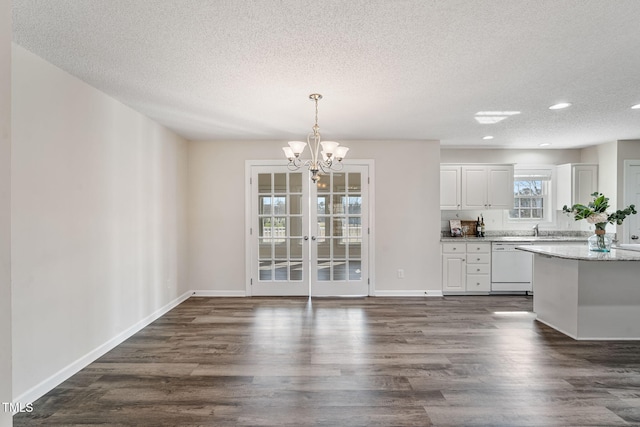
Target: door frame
(369,163)
(626,197)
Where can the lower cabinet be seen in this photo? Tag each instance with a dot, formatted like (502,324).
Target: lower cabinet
(466,267)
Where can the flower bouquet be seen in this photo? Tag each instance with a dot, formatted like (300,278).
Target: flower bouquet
(596,213)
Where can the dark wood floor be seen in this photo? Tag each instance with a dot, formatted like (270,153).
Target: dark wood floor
(454,361)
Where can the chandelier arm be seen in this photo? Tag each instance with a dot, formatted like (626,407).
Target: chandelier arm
(337,166)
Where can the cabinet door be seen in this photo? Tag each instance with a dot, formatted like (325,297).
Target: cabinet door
(500,187)
(575,183)
(450,187)
(585,183)
(454,273)
(474,187)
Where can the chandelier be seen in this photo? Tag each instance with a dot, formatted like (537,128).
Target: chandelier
(331,153)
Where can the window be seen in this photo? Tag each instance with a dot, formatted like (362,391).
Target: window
(531,192)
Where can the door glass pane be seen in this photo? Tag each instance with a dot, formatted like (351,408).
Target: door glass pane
(295,182)
(324,248)
(264,227)
(265,249)
(339,269)
(355,229)
(323,204)
(279,182)
(354,270)
(264,205)
(295,271)
(295,205)
(295,248)
(355,204)
(280,249)
(323,185)
(354,182)
(324,229)
(338,227)
(280,205)
(339,184)
(281,270)
(324,270)
(339,250)
(265,270)
(355,251)
(295,226)
(339,202)
(264,183)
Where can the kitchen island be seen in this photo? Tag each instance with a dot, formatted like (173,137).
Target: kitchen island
(587,295)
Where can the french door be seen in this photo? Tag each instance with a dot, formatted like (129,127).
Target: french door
(308,239)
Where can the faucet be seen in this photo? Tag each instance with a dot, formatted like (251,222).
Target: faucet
(536,230)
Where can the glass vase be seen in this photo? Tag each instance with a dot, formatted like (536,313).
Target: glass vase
(600,242)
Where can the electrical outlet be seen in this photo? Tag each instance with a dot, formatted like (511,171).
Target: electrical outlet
(400,273)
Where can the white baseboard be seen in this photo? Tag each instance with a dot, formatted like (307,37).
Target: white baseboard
(219,293)
(67,372)
(427,293)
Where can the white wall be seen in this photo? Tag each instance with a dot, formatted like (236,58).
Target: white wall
(407,212)
(5,210)
(99,223)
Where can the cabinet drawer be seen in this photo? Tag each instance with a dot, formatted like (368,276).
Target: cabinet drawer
(478,268)
(481,248)
(453,248)
(478,258)
(478,283)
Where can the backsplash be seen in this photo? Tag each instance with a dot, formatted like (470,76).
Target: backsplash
(497,223)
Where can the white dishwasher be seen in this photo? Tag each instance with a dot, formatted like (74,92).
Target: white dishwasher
(511,269)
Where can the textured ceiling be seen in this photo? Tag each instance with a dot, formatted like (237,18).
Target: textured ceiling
(414,69)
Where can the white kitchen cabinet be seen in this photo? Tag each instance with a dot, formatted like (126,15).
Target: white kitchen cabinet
(575,182)
(450,187)
(487,187)
(478,267)
(466,268)
(454,272)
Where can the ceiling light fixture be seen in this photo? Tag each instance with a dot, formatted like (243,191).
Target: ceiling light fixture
(487,137)
(545,144)
(330,150)
(635,107)
(560,106)
(492,117)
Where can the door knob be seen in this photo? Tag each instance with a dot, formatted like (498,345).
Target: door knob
(306,237)
(634,237)
(313,237)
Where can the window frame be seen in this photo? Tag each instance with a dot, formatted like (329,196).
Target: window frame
(543,173)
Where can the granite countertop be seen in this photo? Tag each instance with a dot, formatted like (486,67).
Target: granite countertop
(581,252)
(515,239)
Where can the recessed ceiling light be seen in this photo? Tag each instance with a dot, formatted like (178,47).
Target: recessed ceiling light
(497,113)
(560,106)
(489,120)
(487,137)
(545,144)
(635,107)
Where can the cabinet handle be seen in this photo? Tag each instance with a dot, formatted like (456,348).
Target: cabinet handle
(477,259)
(477,269)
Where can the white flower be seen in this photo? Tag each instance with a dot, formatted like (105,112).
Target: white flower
(597,218)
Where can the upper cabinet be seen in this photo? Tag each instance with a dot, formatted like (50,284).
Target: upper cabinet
(575,183)
(450,187)
(476,187)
